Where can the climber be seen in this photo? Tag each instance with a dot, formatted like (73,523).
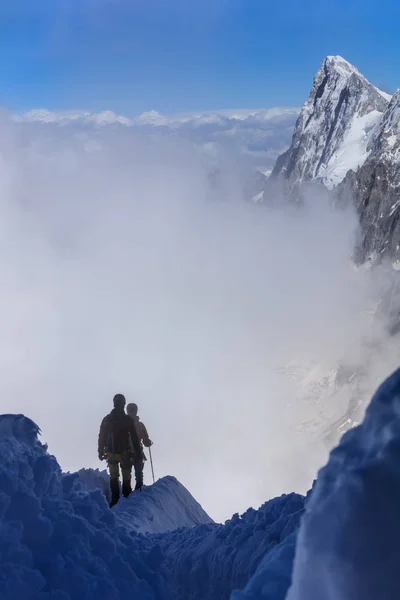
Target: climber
(118,443)
(144,439)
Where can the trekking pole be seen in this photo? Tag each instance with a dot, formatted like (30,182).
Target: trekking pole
(152,468)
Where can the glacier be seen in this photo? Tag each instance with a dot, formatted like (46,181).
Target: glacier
(60,541)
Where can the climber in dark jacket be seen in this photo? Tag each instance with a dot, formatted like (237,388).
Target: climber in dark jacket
(118,441)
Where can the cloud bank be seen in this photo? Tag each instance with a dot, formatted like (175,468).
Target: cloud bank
(126,268)
(258,135)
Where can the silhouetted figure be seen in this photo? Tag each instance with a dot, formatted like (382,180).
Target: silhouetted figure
(144,440)
(119,444)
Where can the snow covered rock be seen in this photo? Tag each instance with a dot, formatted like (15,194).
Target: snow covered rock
(348,544)
(335,126)
(347,137)
(375,190)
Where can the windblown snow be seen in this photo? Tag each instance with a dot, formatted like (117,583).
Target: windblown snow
(60,541)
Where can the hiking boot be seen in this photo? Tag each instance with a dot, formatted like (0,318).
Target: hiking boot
(126,488)
(138,486)
(115,493)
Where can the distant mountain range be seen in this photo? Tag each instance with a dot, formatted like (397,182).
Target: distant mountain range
(259,135)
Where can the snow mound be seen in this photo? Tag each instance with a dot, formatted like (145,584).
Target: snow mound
(348,547)
(60,541)
(209,561)
(164,506)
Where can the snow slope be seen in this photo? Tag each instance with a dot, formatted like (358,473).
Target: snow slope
(348,547)
(208,562)
(353,151)
(57,541)
(60,541)
(166,506)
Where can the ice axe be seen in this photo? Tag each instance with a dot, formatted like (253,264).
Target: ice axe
(151,462)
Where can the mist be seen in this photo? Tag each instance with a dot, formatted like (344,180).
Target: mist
(126,269)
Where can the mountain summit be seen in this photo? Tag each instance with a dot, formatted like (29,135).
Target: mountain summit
(334,126)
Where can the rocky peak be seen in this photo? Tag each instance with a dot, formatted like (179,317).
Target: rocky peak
(341,111)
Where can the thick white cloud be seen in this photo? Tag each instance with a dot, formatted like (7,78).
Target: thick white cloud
(259,135)
(126,268)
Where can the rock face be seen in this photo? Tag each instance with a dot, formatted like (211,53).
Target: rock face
(375,190)
(347,138)
(335,126)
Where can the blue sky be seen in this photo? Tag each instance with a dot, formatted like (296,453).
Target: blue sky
(183,55)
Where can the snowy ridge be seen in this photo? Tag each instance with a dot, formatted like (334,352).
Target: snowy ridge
(166,506)
(208,561)
(55,540)
(348,542)
(60,541)
(334,126)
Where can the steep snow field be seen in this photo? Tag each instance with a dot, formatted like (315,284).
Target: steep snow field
(353,151)
(60,541)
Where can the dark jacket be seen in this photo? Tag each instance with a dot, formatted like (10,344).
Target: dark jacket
(118,434)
